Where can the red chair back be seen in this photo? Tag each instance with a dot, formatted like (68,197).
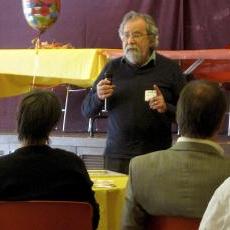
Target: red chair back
(45,215)
(173,223)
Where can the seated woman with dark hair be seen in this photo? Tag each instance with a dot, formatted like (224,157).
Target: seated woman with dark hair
(36,171)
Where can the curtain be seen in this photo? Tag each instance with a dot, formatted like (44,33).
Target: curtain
(183,24)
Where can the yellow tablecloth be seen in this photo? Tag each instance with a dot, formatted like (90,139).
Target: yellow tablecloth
(80,67)
(48,67)
(110,199)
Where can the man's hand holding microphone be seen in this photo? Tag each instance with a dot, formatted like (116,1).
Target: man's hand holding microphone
(105,88)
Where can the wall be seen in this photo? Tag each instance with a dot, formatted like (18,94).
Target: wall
(94,23)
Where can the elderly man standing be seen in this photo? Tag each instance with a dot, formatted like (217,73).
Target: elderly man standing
(180,181)
(141,89)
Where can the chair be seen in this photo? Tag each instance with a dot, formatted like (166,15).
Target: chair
(71,107)
(69,89)
(45,215)
(173,223)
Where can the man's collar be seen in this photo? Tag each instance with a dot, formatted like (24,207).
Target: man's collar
(151,58)
(202,141)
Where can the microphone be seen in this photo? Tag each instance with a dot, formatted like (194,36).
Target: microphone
(107,75)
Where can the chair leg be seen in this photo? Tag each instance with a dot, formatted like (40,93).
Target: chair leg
(91,127)
(65,108)
(229,124)
(228,100)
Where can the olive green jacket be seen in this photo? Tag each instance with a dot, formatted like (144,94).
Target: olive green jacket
(178,181)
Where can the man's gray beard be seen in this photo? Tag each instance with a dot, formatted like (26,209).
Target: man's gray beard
(133,56)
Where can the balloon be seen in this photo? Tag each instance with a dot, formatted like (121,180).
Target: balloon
(41,14)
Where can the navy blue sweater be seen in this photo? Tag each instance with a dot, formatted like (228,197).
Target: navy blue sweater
(134,128)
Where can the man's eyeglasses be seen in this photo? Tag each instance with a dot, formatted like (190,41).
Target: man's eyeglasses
(134,36)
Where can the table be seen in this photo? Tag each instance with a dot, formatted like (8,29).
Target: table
(109,190)
(21,68)
(48,67)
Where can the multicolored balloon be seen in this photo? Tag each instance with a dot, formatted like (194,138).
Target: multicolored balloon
(41,14)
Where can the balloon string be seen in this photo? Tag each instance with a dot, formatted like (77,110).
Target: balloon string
(36,60)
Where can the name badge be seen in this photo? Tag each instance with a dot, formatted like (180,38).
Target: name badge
(149,94)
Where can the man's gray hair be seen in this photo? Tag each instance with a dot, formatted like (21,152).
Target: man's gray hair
(151,28)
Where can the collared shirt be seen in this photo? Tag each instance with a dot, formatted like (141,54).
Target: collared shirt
(217,214)
(202,141)
(152,57)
